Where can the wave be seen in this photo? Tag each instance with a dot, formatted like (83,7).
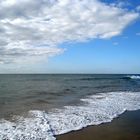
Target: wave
(96,109)
(97,78)
(134,77)
(88,79)
(131,77)
(111,78)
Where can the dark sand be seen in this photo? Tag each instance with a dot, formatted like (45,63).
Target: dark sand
(125,127)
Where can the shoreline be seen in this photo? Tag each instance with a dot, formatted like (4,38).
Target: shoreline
(124,127)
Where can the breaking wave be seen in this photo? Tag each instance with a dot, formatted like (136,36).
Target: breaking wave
(96,109)
(134,77)
(131,77)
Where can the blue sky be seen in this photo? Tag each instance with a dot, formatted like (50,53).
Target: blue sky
(120,54)
(89,49)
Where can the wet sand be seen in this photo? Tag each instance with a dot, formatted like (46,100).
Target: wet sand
(125,127)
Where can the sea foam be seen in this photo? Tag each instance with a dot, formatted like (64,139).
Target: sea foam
(135,77)
(95,109)
(35,127)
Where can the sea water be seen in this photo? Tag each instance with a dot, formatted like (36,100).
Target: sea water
(39,107)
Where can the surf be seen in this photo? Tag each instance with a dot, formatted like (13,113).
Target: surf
(94,110)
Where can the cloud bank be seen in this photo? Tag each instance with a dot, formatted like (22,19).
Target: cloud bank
(34,29)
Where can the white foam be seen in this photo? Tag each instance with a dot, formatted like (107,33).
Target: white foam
(35,127)
(134,77)
(95,110)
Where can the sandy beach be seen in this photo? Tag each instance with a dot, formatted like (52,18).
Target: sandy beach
(125,127)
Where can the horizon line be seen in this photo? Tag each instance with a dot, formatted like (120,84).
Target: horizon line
(70,73)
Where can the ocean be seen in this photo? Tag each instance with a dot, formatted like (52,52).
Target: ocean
(41,106)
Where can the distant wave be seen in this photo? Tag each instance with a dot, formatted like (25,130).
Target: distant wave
(88,79)
(96,109)
(132,77)
(97,78)
(135,77)
(109,77)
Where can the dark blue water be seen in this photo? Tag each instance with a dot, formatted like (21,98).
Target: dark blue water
(21,93)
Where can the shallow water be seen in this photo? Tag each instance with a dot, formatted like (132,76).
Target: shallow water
(125,127)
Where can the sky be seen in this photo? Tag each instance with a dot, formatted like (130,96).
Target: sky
(70,36)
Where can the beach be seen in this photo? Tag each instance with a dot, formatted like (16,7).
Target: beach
(40,107)
(124,127)
(69,70)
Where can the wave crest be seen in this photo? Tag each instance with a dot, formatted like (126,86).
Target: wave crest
(135,77)
(132,77)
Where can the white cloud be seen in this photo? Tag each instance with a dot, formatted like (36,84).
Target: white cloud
(27,26)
